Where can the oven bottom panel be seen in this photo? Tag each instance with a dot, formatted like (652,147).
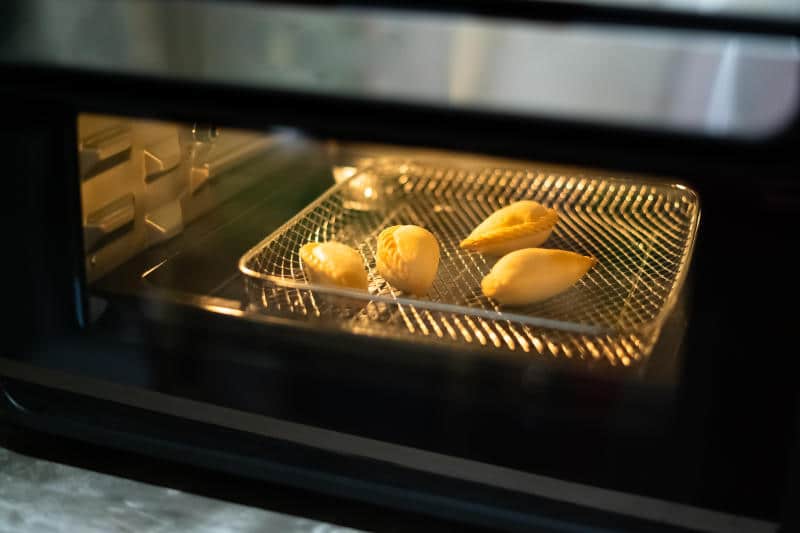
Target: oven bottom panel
(406,480)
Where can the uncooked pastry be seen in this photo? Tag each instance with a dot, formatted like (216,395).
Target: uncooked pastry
(333,263)
(408,258)
(534,274)
(523,224)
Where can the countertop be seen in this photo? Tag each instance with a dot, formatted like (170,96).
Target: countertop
(37,495)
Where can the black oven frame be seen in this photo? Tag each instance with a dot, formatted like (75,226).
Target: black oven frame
(50,304)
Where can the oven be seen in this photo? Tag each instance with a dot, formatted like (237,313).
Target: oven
(167,164)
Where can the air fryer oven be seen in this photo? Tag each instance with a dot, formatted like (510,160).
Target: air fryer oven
(166,160)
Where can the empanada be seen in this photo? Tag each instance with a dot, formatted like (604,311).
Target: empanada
(533,274)
(333,263)
(408,258)
(523,224)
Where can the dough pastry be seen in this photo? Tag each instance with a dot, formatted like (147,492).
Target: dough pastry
(533,274)
(408,258)
(333,263)
(523,224)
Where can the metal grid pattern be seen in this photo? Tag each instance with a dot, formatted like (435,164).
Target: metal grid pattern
(641,234)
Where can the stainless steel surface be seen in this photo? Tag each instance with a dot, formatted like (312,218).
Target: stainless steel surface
(160,157)
(223,156)
(108,219)
(112,188)
(170,174)
(641,233)
(784,9)
(101,147)
(38,495)
(711,83)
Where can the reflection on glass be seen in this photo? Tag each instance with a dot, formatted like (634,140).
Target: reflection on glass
(752,8)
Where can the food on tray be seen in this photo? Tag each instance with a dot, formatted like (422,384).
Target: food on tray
(333,263)
(523,224)
(533,274)
(408,258)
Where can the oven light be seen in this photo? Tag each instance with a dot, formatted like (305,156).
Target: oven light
(341,174)
(223,310)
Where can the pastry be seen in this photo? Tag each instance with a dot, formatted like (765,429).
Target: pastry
(523,224)
(333,263)
(408,258)
(533,274)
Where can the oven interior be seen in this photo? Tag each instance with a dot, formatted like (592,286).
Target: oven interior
(214,217)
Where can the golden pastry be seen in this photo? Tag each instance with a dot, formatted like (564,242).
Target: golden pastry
(533,274)
(333,263)
(523,224)
(408,258)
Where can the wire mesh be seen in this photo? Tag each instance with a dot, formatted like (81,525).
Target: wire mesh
(641,233)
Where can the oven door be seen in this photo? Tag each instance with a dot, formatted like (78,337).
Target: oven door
(142,173)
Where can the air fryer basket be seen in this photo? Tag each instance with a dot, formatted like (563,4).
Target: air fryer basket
(642,234)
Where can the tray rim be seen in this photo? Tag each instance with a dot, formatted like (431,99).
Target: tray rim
(652,326)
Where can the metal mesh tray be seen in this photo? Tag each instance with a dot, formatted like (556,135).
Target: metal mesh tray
(642,234)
